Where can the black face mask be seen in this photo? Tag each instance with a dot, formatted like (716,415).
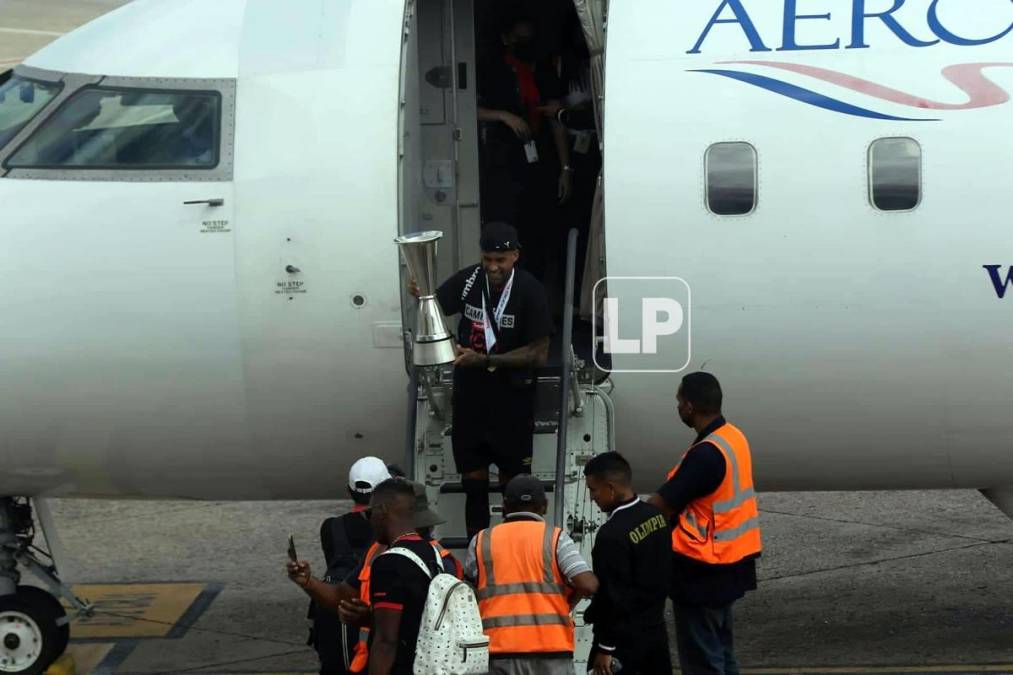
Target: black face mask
(525,50)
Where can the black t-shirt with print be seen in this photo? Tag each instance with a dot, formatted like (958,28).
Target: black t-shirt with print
(500,402)
(525,319)
(397,583)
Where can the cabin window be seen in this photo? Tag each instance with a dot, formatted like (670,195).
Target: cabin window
(895,174)
(111,128)
(731,178)
(21,100)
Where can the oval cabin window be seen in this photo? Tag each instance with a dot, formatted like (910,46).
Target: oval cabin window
(731,179)
(895,174)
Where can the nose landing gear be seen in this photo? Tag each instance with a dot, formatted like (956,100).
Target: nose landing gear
(34,626)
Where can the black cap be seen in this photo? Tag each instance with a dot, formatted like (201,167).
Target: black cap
(525,489)
(499,236)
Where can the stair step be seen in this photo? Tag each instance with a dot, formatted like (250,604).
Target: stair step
(455,543)
(455,488)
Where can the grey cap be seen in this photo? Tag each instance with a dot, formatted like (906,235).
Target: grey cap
(424,516)
(525,489)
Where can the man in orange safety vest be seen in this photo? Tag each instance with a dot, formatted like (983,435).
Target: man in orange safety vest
(711,505)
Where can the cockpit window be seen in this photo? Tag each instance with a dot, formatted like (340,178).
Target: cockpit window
(107,128)
(20,101)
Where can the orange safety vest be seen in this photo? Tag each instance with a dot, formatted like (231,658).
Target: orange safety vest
(723,527)
(521,592)
(361,657)
(444,553)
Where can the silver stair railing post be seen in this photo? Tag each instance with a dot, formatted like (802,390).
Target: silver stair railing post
(566,363)
(411,420)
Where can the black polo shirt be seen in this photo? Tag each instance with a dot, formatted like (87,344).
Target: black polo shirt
(700,473)
(629,549)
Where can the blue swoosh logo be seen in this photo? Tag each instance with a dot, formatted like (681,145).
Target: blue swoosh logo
(808,96)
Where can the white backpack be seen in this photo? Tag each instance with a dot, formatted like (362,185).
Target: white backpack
(451,641)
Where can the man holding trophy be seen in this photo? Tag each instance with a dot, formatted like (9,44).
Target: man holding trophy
(503,336)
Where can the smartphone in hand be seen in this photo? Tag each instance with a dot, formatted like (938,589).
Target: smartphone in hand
(291,549)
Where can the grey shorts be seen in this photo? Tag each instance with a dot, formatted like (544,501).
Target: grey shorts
(531,666)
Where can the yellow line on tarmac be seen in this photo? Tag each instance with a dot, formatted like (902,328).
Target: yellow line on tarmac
(80,659)
(134,610)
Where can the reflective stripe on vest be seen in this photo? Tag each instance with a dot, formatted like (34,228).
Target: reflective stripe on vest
(546,585)
(723,527)
(361,657)
(521,591)
(526,620)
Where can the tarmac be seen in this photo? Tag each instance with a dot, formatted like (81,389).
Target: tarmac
(912,582)
(849,582)
(28,25)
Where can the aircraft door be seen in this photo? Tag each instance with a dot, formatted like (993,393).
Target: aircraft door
(447,197)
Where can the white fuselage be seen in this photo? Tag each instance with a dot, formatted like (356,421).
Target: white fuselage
(147,354)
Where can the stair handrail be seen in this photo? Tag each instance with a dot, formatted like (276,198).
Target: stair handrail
(566,363)
(411,419)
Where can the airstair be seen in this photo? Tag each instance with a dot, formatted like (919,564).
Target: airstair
(574,421)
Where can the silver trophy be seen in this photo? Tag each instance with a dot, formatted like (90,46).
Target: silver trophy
(434,345)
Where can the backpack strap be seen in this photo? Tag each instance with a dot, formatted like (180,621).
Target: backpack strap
(407,553)
(339,536)
(342,556)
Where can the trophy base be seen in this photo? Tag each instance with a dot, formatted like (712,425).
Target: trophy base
(434,353)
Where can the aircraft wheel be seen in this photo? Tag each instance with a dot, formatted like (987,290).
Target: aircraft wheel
(43,598)
(30,639)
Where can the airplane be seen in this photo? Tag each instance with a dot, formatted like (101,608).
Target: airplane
(204,301)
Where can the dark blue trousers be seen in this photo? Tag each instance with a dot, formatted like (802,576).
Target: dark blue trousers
(704,638)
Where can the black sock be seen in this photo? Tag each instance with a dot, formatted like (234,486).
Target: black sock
(476,505)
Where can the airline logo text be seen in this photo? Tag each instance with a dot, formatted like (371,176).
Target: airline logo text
(1000,283)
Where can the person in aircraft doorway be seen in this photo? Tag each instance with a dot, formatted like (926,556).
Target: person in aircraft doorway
(524,151)
(503,336)
(711,505)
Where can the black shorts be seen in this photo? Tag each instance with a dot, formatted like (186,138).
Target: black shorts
(472,454)
(494,425)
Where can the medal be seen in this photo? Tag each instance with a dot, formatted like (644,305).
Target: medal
(497,315)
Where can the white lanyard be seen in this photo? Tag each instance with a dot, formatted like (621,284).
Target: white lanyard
(490,334)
